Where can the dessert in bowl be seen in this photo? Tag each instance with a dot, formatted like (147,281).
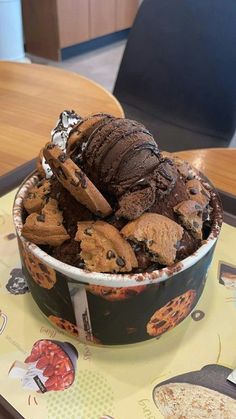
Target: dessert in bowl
(115,236)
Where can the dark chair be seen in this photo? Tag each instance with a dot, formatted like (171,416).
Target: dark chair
(178,72)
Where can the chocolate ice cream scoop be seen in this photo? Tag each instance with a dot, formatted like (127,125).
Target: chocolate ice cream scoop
(122,158)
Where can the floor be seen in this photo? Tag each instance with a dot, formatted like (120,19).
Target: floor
(100,65)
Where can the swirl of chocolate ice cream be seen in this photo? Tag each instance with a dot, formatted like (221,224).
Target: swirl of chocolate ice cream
(122,158)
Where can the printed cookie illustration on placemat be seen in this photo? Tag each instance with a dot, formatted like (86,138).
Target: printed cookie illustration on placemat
(65,325)
(115,294)
(43,275)
(171,314)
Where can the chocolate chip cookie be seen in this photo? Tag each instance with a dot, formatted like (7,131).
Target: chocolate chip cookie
(46,227)
(103,248)
(171,314)
(75,181)
(158,233)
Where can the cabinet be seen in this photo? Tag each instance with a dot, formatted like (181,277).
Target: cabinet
(73,22)
(50,25)
(102,17)
(125,13)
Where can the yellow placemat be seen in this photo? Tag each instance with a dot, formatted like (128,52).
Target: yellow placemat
(118,382)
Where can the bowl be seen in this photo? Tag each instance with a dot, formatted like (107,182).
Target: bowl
(114,309)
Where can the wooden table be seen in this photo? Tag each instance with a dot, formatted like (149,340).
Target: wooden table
(31,98)
(218,164)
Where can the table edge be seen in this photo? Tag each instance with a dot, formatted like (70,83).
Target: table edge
(16,176)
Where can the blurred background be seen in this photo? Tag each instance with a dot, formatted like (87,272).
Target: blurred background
(84,36)
(178,71)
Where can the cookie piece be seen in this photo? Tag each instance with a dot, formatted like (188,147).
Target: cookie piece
(190,215)
(159,234)
(65,325)
(134,204)
(183,166)
(47,227)
(115,294)
(41,274)
(103,249)
(37,196)
(197,192)
(81,131)
(171,314)
(75,181)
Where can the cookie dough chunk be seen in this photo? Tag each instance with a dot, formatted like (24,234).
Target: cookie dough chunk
(103,248)
(197,192)
(159,234)
(41,274)
(36,197)
(64,325)
(75,181)
(47,227)
(171,314)
(81,131)
(115,294)
(190,215)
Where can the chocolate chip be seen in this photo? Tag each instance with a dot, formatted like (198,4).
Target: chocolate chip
(195,224)
(110,254)
(120,261)
(190,176)
(165,174)
(61,173)
(106,291)
(43,268)
(50,146)
(82,178)
(175,313)
(160,323)
(31,195)
(41,218)
(88,231)
(74,182)
(63,157)
(193,191)
(198,207)
(81,265)
(136,247)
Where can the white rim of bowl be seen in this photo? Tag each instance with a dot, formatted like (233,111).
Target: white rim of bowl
(109,279)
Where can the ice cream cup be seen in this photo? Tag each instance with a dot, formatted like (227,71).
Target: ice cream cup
(113,309)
